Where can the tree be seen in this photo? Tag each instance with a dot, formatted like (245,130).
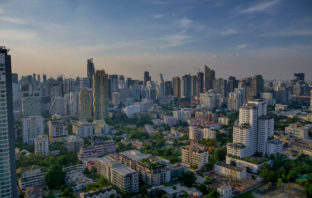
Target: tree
(279,182)
(203,188)
(308,189)
(55,176)
(220,154)
(188,178)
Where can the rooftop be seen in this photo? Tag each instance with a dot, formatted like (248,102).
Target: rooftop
(230,166)
(135,155)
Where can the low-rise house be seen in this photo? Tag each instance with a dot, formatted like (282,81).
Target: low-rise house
(107,192)
(225,191)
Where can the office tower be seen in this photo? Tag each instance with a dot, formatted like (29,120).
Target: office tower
(268,97)
(100,95)
(168,88)
(15,91)
(90,71)
(44,78)
(147,77)
(124,95)
(85,104)
(74,103)
(200,83)
(232,83)
(32,127)
(161,86)
(135,93)
(209,78)
(186,86)
(257,85)
(194,85)
(7,135)
(221,87)
(176,87)
(42,144)
(84,83)
(114,83)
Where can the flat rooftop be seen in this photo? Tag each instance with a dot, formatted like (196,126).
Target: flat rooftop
(135,155)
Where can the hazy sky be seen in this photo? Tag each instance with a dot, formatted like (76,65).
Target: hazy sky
(173,37)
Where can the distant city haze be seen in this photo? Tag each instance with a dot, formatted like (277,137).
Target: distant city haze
(272,37)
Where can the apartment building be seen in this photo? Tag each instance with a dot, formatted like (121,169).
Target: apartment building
(195,155)
(118,174)
(31,176)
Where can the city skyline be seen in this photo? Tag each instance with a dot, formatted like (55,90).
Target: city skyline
(170,37)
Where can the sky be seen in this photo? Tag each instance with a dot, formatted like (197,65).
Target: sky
(173,37)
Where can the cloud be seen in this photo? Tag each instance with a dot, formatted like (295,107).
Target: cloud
(157,16)
(290,33)
(1,10)
(263,6)
(11,19)
(185,22)
(175,40)
(228,32)
(17,35)
(241,46)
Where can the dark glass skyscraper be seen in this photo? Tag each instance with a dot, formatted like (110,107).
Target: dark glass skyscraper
(147,77)
(210,77)
(90,71)
(7,136)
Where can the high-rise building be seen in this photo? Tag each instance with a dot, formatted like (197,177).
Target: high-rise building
(200,83)
(232,83)
(31,106)
(147,77)
(74,103)
(90,70)
(209,78)
(257,85)
(85,104)
(32,127)
(186,86)
(100,95)
(176,87)
(194,85)
(220,86)
(57,130)
(168,88)
(253,130)
(7,135)
(161,86)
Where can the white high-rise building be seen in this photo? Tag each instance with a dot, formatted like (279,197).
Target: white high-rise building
(42,144)
(234,101)
(253,129)
(32,127)
(210,99)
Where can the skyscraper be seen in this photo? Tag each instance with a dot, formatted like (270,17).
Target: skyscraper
(100,95)
(232,83)
(176,82)
(186,86)
(147,77)
(200,83)
(90,71)
(7,135)
(209,78)
(257,85)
